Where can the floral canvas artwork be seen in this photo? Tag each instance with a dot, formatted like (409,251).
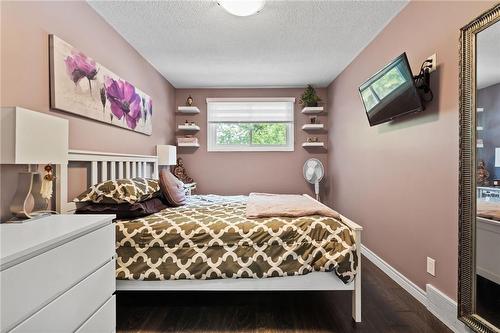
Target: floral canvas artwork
(82,86)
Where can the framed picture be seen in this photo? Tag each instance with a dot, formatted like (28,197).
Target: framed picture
(80,85)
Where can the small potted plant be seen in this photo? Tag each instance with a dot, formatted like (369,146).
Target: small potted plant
(309,97)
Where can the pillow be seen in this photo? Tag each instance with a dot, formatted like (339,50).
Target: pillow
(121,191)
(124,210)
(172,188)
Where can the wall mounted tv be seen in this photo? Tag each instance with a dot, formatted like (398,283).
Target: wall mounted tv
(391,92)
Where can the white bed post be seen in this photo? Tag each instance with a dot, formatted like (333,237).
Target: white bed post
(356,293)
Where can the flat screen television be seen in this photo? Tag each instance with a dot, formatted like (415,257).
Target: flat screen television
(390,93)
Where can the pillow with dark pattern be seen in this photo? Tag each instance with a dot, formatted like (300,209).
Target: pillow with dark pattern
(123,210)
(120,191)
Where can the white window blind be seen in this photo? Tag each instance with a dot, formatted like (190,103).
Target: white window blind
(250,112)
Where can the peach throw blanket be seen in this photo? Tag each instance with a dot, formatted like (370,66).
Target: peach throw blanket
(288,205)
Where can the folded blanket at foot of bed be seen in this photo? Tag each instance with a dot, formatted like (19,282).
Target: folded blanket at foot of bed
(291,205)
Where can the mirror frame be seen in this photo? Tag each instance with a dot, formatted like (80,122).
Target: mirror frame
(467,175)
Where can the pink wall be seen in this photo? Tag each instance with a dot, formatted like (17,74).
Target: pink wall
(25,27)
(244,172)
(400,180)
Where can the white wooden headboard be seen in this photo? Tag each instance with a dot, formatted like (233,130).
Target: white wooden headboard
(103,166)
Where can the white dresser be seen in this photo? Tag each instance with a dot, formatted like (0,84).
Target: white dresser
(57,274)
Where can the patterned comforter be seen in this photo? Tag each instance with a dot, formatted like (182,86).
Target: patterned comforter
(210,238)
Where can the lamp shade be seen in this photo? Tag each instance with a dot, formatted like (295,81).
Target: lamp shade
(30,137)
(167,154)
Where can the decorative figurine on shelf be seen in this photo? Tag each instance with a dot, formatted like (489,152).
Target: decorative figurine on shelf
(483,176)
(312,139)
(313,119)
(180,172)
(189,101)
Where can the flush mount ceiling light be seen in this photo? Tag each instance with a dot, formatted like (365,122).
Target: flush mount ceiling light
(242,7)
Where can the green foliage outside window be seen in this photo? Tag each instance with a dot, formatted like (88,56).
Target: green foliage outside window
(251,134)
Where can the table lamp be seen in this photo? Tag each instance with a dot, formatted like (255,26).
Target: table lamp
(30,137)
(167,154)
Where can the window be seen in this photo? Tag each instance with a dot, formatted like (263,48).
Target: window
(261,124)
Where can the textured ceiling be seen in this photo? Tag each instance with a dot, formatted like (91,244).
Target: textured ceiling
(488,55)
(288,44)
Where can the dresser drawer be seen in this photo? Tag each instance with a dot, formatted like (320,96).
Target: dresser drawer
(77,304)
(34,283)
(104,320)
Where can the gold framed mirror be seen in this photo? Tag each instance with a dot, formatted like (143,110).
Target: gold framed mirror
(479,207)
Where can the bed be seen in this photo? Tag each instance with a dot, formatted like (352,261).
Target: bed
(209,245)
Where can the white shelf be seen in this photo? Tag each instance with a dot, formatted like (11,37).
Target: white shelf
(188,127)
(313,144)
(188,109)
(312,110)
(480,128)
(313,126)
(188,145)
(480,109)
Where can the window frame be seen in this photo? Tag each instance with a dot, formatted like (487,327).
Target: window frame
(212,145)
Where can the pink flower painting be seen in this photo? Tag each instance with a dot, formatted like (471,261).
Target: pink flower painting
(107,97)
(78,66)
(124,101)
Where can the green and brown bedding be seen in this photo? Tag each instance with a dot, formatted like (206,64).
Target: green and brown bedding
(210,238)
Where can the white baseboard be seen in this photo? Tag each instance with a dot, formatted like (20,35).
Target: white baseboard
(440,305)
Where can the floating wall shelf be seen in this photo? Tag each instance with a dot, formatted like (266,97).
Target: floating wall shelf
(196,145)
(480,109)
(311,127)
(312,110)
(188,127)
(188,109)
(313,144)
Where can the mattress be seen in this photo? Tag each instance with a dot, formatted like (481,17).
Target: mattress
(210,238)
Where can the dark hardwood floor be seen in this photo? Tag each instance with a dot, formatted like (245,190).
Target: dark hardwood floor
(386,308)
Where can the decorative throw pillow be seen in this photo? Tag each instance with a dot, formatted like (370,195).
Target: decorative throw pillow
(120,191)
(124,210)
(172,188)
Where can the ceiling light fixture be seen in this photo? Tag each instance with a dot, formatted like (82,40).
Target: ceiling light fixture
(242,7)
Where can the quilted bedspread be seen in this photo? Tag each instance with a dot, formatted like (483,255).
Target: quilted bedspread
(210,238)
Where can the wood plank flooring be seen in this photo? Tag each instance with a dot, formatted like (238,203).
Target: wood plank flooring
(387,308)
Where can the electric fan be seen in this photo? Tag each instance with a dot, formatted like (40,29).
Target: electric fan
(313,173)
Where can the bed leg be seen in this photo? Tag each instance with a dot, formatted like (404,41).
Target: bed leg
(356,293)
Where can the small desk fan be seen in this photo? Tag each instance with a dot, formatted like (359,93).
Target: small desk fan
(313,173)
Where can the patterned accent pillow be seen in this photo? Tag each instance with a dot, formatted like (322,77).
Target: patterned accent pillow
(120,191)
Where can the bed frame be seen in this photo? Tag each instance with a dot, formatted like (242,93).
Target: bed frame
(106,166)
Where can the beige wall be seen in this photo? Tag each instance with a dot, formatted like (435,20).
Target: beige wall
(400,180)
(25,27)
(245,172)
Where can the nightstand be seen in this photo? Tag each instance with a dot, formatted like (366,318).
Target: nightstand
(57,274)
(189,188)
